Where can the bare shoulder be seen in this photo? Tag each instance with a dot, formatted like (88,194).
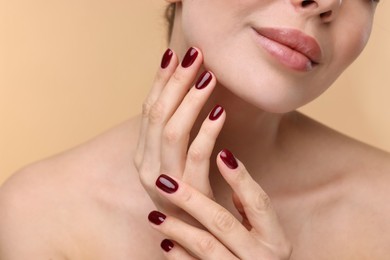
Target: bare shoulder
(356,212)
(363,166)
(67,205)
(362,212)
(368,197)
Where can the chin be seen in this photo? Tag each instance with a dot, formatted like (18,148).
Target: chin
(264,83)
(278,104)
(271,92)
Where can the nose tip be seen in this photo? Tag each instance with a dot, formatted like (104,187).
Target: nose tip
(326,10)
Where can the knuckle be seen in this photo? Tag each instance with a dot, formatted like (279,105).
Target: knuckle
(177,77)
(171,135)
(206,244)
(195,155)
(224,221)
(156,113)
(262,202)
(146,106)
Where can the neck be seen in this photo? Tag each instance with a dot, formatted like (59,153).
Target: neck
(247,130)
(252,135)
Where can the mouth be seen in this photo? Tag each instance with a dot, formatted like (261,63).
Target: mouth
(291,47)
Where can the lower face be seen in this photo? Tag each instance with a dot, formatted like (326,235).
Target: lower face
(237,55)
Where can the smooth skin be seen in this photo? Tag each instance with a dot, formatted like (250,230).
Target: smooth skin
(302,190)
(170,119)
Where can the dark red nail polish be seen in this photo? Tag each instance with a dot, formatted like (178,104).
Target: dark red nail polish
(167,184)
(156,217)
(189,58)
(203,80)
(229,159)
(167,245)
(216,112)
(166,59)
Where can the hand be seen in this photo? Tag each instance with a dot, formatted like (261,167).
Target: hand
(260,236)
(169,113)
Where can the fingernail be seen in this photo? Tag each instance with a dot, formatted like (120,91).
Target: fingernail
(216,112)
(189,58)
(156,217)
(166,59)
(167,184)
(203,80)
(167,245)
(229,159)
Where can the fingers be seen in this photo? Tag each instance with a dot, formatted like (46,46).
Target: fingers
(176,88)
(168,64)
(162,107)
(178,128)
(197,166)
(219,221)
(254,201)
(169,124)
(199,242)
(174,251)
(265,239)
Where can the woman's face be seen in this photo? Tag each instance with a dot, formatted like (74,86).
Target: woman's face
(249,45)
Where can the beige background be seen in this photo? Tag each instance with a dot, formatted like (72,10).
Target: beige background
(72,69)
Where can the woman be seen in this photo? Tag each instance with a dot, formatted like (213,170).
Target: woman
(169,176)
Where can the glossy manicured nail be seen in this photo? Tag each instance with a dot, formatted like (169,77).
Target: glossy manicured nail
(189,58)
(167,245)
(166,59)
(156,217)
(167,184)
(229,159)
(203,80)
(216,112)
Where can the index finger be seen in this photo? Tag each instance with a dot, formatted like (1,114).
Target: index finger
(219,221)
(256,203)
(168,64)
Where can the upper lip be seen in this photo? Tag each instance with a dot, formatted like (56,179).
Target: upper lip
(294,39)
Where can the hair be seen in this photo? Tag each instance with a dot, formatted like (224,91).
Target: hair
(169,17)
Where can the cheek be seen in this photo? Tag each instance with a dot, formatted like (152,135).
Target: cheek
(344,48)
(350,45)
(217,29)
(206,22)
(355,44)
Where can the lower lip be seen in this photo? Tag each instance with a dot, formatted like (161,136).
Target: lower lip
(285,55)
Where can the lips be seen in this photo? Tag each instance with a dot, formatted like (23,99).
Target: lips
(292,47)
